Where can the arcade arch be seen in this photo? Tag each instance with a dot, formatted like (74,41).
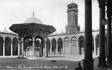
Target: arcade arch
(81,45)
(60,46)
(74,45)
(67,45)
(54,46)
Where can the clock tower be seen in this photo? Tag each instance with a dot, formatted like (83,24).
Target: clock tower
(72,26)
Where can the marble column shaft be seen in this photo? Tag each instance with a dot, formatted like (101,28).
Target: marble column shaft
(88,59)
(22,46)
(33,47)
(3,47)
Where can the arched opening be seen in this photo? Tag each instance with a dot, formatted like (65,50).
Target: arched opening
(81,45)
(27,45)
(15,46)
(27,42)
(38,46)
(74,45)
(7,46)
(33,46)
(66,45)
(1,46)
(48,46)
(60,46)
(97,44)
(54,46)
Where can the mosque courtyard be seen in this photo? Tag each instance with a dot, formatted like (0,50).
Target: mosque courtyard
(69,62)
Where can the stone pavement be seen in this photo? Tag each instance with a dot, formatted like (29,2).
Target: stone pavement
(74,58)
(80,58)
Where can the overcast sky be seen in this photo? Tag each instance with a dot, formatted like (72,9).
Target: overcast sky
(52,12)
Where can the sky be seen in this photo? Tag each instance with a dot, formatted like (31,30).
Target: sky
(51,12)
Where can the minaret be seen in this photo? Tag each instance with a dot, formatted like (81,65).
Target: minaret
(72,26)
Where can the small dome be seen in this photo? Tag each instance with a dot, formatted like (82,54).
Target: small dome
(33,20)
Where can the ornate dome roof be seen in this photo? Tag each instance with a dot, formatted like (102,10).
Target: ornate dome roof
(33,20)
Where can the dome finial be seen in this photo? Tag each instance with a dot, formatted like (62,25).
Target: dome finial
(33,14)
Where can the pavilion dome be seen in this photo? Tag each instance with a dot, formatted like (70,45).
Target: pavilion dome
(33,20)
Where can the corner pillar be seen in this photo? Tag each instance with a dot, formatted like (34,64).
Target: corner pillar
(102,57)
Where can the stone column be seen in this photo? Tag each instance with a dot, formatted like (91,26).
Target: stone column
(109,47)
(50,47)
(102,58)
(56,47)
(33,47)
(22,46)
(11,48)
(88,59)
(45,49)
(78,47)
(18,48)
(3,47)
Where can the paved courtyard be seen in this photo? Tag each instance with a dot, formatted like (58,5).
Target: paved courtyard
(50,63)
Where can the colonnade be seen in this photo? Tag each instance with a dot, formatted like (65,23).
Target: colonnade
(8,47)
(54,46)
